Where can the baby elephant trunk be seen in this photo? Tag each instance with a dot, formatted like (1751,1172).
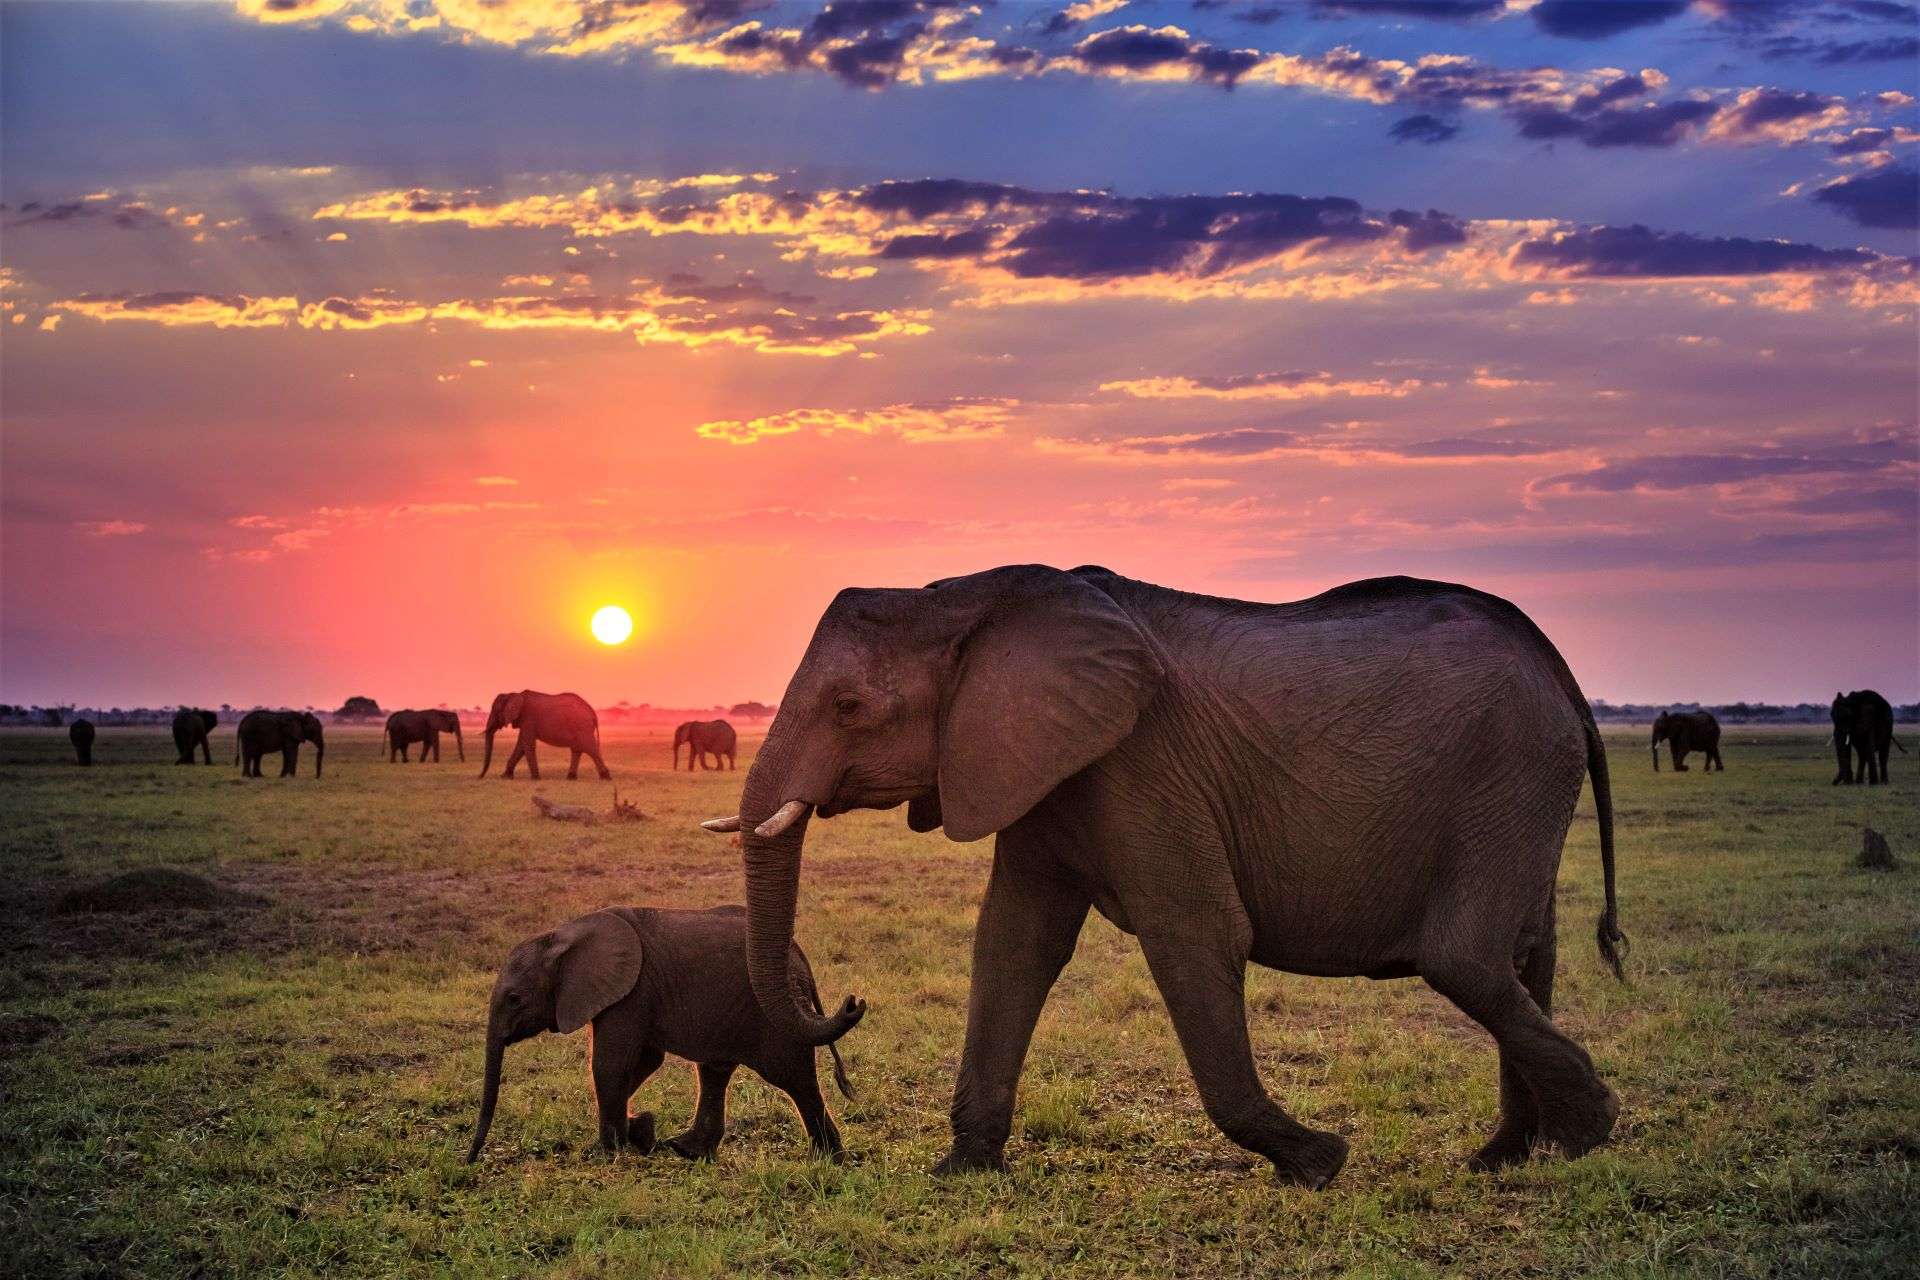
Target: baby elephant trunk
(490,1094)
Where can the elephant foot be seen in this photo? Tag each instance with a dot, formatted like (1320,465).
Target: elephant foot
(640,1133)
(1511,1144)
(1312,1160)
(1578,1125)
(959,1161)
(693,1146)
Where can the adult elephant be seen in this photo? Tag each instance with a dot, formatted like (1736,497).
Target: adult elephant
(557,719)
(80,734)
(1863,728)
(262,731)
(404,728)
(702,737)
(1685,732)
(1301,785)
(191,725)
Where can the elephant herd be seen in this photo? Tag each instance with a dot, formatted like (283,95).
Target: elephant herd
(1862,731)
(563,720)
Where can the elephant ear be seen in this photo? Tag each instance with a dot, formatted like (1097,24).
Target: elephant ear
(597,961)
(1049,678)
(516,707)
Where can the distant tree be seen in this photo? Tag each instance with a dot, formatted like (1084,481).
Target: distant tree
(357,708)
(750,710)
(50,716)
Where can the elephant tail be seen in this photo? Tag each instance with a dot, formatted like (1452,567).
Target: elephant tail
(839,1067)
(1613,943)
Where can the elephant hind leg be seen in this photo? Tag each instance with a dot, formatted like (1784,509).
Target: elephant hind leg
(1575,1108)
(1513,1142)
(703,1136)
(1202,979)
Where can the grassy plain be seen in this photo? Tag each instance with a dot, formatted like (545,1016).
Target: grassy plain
(285,1087)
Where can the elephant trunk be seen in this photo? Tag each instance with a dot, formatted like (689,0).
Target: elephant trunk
(486,759)
(773,886)
(319,757)
(489,1094)
(459,746)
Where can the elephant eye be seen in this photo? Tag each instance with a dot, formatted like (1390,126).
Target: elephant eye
(846,707)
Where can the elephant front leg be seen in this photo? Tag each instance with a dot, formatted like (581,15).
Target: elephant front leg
(1028,926)
(619,1070)
(1199,963)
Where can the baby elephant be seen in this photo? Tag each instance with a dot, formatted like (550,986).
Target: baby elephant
(653,982)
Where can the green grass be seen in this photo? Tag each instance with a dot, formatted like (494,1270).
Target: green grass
(287,1088)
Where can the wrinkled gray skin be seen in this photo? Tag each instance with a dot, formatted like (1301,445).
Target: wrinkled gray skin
(1862,728)
(260,732)
(191,725)
(1304,786)
(80,734)
(701,737)
(404,728)
(655,982)
(1685,732)
(557,719)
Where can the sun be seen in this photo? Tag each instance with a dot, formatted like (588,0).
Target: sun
(612,624)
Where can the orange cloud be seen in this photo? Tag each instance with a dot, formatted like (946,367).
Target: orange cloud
(184,309)
(932,423)
(1263,386)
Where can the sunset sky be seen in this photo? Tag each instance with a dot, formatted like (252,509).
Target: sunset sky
(369,346)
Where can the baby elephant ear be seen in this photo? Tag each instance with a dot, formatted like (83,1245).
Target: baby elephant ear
(597,961)
(1050,678)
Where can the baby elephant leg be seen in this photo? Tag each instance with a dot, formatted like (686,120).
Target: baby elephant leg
(702,1137)
(797,1080)
(618,1073)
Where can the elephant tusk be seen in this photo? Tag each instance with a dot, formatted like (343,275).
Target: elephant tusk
(722,824)
(785,816)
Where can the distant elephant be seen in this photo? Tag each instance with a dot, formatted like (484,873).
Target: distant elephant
(1685,732)
(404,728)
(557,719)
(282,731)
(1299,785)
(80,733)
(1862,727)
(701,737)
(190,729)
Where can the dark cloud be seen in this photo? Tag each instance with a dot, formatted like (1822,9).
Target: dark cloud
(1888,197)
(1426,128)
(922,198)
(1598,19)
(1851,500)
(1704,470)
(1432,229)
(1861,140)
(1442,10)
(1137,48)
(128,215)
(1236,443)
(1835,53)
(1763,107)
(1476,447)
(1201,235)
(1663,124)
(958,244)
(1637,251)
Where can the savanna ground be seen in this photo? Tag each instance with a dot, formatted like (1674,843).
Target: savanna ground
(284,1084)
